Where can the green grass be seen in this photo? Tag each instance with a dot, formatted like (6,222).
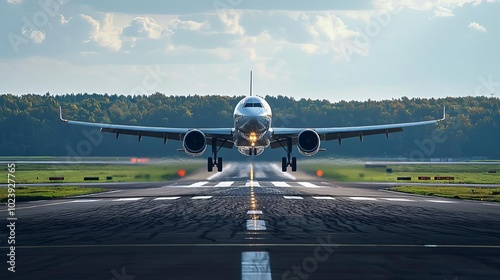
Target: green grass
(39,193)
(483,194)
(75,173)
(467,174)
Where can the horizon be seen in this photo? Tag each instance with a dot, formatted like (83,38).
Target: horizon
(333,50)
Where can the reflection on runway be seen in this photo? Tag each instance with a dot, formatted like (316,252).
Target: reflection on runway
(253,222)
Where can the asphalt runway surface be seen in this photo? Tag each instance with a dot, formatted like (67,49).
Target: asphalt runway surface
(254,222)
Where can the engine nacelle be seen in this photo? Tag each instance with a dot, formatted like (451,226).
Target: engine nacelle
(194,143)
(308,142)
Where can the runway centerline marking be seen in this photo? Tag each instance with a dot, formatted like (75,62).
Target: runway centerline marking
(254,212)
(255,266)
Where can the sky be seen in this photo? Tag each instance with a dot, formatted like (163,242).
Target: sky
(318,49)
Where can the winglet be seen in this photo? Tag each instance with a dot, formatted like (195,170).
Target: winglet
(251,83)
(444,114)
(60,115)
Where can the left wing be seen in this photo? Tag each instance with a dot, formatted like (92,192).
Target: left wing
(224,135)
(339,133)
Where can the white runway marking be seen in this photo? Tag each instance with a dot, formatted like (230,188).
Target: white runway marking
(128,199)
(440,201)
(255,266)
(254,183)
(324,197)
(252,212)
(292,197)
(86,200)
(167,198)
(202,197)
(362,198)
(309,185)
(398,199)
(224,184)
(280,184)
(256,225)
(197,184)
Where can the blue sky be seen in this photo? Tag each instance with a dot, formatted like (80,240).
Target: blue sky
(323,49)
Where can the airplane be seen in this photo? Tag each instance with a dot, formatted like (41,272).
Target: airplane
(252,134)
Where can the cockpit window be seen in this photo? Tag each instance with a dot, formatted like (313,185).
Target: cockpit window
(251,104)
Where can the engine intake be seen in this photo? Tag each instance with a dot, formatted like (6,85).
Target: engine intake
(308,142)
(194,143)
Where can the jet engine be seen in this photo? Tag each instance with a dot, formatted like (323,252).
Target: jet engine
(308,142)
(194,143)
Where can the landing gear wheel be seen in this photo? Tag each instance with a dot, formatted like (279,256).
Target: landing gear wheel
(294,164)
(219,164)
(283,164)
(250,151)
(210,165)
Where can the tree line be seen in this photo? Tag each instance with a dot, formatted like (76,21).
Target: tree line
(30,124)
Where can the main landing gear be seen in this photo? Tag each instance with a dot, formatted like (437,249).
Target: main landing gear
(215,161)
(285,161)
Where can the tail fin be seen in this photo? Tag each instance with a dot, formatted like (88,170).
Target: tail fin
(251,83)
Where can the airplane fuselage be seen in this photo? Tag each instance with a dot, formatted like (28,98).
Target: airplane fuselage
(252,125)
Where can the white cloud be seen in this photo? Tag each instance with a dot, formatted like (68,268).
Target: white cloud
(441,11)
(15,1)
(35,35)
(143,27)
(105,34)
(63,20)
(476,26)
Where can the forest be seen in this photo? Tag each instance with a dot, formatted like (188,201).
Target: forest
(30,124)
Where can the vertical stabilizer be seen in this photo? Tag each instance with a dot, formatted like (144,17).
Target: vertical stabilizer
(251,83)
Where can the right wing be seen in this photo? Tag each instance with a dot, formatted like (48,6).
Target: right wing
(223,135)
(281,135)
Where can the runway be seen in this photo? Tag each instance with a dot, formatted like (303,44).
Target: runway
(254,222)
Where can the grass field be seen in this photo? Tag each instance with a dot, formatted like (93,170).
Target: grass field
(75,173)
(39,193)
(467,174)
(483,194)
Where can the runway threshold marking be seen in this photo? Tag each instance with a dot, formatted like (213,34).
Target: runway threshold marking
(252,183)
(197,184)
(309,185)
(224,184)
(255,266)
(280,184)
